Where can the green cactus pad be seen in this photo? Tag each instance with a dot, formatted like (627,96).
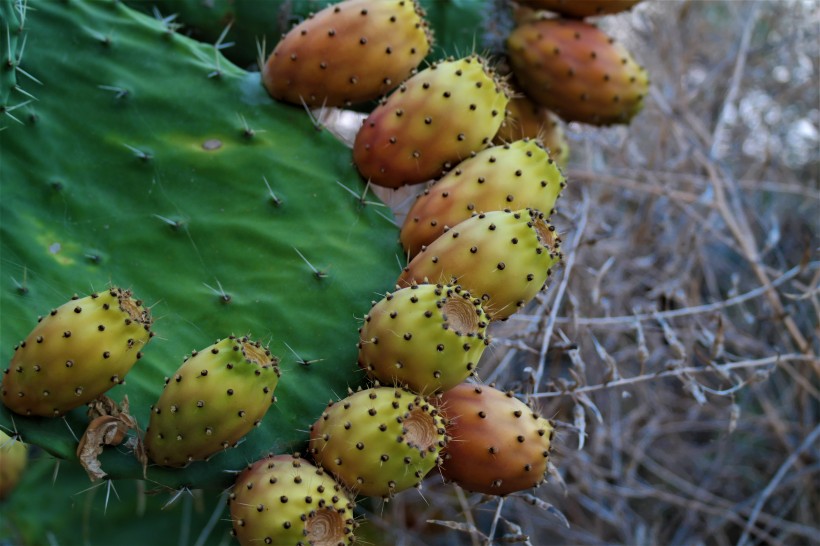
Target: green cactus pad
(151,162)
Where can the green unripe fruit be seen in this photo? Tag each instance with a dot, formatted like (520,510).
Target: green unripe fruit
(503,257)
(427,338)
(284,500)
(517,175)
(76,353)
(215,398)
(13,461)
(379,441)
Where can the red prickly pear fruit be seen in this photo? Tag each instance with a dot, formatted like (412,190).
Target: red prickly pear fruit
(379,441)
(426,338)
(499,445)
(350,52)
(526,119)
(285,500)
(76,353)
(580,8)
(214,399)
(13,461)
(516,175)
(573,68)
(431,122)
(504,257)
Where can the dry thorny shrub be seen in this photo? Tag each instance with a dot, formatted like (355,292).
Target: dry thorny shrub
(676,346)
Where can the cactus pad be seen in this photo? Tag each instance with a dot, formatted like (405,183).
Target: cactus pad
(152,162)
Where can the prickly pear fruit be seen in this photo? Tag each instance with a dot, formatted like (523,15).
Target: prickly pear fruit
(516,175)
(431,122)
(499,444)
(504,257)
(525,119)
(13,461)
(426,337)
(284,500)
(379,441)
(350,52)
(575,69)
(214,399)
(580,8)
(76,353)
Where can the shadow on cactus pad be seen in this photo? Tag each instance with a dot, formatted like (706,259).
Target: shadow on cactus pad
(148,161)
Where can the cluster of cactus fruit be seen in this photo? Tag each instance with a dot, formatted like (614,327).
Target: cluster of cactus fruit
(479,243)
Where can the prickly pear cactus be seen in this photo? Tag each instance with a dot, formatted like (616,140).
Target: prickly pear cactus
(352,52)
(151,162)
(214,399)
(12,38)
(379,441)
(284,499)
(515,175)
(426,337)
(503,257)
(245,25)
(501,445)
(76,352)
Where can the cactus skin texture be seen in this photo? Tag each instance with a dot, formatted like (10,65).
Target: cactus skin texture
(182,155)
(516,175)
(214,399)
(379,441)
(526,119)
(351,52)
(13,461)
(76,353)
(432,121)
(426,338)
(286,501)
(504,257)
(499,445)
(575,69)
(581,8)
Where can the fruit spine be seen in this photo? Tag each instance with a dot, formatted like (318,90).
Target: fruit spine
(499,444)
(432,121)
(76,353)
(379,441)
(504,257)
(285,500)
(573,68)
(215,398)
(350,52)
(516,175)
(426,338)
